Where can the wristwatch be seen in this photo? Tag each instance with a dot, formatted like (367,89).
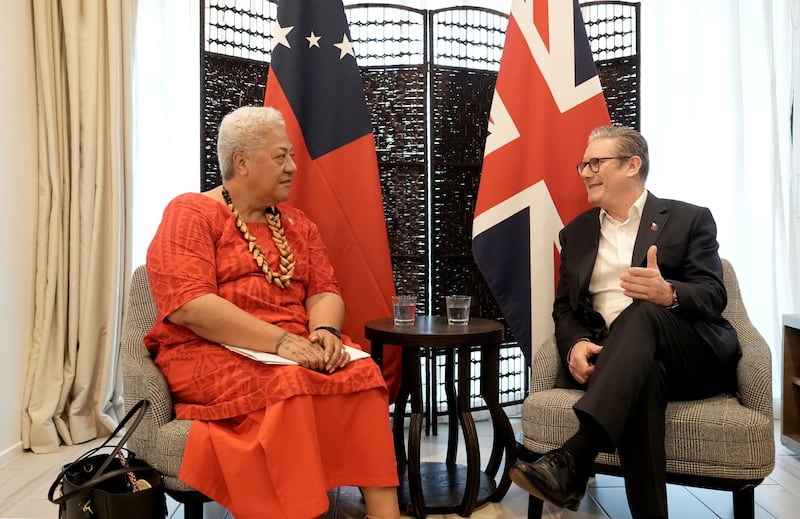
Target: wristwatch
(674,298)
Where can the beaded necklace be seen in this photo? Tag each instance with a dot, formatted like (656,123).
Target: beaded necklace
(273,217)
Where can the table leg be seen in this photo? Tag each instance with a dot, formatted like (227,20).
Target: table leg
(398,421)
(452,407)
(470,433)
(433,390)
(430,389)
(411,372)
(376,352)
(503,433)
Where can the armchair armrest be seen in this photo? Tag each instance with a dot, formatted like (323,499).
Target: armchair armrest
(754,371)
(144,380)
(545,366)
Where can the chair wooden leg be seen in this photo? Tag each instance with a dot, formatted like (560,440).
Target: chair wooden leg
(193,508)
(744,504)
(535,507)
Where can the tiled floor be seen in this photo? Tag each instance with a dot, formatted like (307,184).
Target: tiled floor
(24,483)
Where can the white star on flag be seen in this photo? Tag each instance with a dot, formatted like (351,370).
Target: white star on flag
(345,47)
(313,40)
(280,35)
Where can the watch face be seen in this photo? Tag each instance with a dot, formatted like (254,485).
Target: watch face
(674,298)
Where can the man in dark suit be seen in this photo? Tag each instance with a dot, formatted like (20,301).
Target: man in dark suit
(638,322)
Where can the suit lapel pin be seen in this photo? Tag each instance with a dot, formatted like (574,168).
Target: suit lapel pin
(654,226)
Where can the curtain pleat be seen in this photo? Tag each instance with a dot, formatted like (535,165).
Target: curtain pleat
(72,392)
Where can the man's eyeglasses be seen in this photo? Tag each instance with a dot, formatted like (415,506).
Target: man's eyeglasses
(594,164)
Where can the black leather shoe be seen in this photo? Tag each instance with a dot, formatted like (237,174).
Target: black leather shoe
(553,478)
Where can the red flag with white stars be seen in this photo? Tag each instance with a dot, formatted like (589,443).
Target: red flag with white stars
(315,82)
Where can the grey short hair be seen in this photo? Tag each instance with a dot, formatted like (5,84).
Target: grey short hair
(244,129)
(628,142)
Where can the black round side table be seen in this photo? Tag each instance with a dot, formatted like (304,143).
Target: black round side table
(443,488)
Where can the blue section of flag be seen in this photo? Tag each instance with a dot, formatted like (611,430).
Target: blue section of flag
(327,120)
(507,244)
(584,61)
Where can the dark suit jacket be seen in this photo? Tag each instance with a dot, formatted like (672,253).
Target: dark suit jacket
(686,237)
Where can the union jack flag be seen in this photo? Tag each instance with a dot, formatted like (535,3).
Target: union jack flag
(547,99)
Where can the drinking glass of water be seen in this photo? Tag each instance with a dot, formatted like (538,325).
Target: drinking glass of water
(458,309)
(405,309)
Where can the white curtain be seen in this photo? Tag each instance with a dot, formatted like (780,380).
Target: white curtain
(716,103)
(166,115)
(792,189)
(82,49)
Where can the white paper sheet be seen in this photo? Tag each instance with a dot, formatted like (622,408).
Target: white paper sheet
(271,358)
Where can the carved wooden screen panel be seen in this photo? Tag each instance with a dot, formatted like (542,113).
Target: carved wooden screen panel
(390,44)
(614,35)
(466,46)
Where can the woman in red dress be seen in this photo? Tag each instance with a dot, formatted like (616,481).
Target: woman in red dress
(237,266)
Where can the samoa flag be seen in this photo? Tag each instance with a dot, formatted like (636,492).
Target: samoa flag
(547,100)
(315,82)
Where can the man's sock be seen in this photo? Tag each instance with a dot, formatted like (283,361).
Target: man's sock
(585,445)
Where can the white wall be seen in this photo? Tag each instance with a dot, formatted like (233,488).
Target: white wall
(18,150)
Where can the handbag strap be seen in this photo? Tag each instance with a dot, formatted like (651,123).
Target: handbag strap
(136,414)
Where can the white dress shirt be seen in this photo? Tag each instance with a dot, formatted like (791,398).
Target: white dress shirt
(614,255)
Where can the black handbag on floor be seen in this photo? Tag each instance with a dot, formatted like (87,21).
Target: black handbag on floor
(111,486)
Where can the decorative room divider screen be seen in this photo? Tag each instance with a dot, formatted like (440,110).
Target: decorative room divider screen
(429,79)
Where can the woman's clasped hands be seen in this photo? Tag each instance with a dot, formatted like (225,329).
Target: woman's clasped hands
(322,351)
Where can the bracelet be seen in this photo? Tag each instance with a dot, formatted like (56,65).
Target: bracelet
(330,329)
(280,341)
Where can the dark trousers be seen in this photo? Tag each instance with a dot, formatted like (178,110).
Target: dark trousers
(650,356)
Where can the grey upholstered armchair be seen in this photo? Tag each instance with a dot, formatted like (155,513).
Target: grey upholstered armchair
(724,442)
(160,438)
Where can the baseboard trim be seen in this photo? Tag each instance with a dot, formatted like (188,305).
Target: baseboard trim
(10,453)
